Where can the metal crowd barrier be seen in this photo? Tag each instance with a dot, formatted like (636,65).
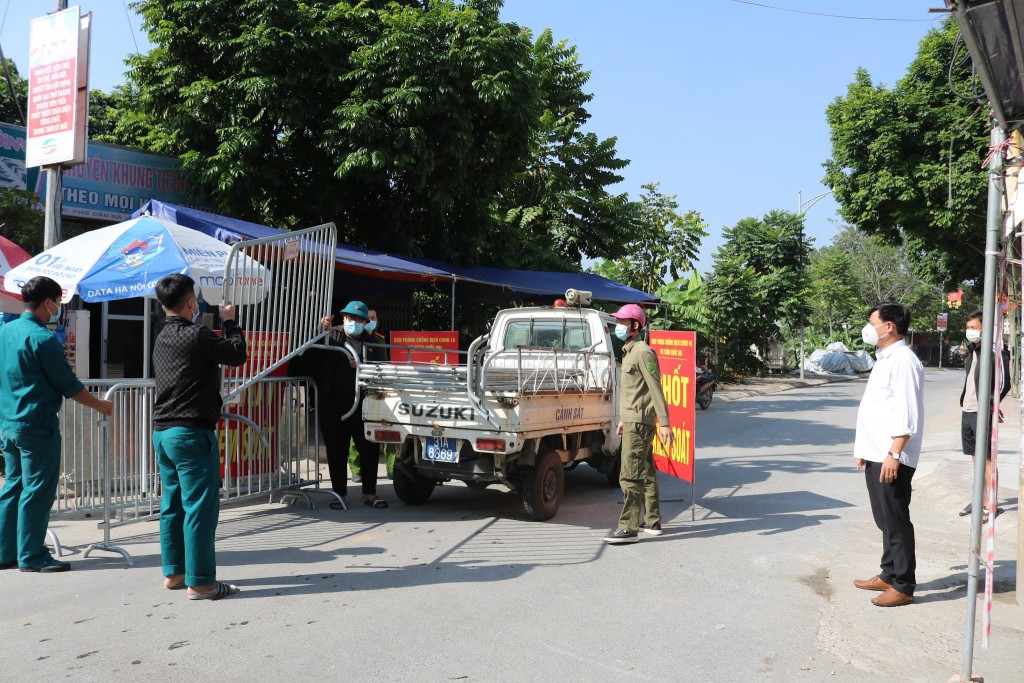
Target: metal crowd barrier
(281,288)
(269,444)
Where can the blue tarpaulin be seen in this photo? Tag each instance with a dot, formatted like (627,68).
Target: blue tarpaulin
(347,256)
(380,264)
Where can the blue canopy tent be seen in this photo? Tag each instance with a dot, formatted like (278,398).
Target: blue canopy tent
(395,273)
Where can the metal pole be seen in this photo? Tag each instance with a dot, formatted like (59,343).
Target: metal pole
(147,335)
(985,367)
(940,349)
(51,216)
(799,210)
(453,303)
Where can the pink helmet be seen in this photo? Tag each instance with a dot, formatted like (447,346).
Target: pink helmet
(631,312)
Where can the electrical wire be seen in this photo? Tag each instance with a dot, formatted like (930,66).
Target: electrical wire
(955,62)
(131,28)
(823,14)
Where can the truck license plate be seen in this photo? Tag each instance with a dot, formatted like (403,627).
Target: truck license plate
(442,450)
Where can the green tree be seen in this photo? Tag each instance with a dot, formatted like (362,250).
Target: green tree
(664,243)
(558,209)
(831,290)
(20,221)
(758,287)
(684,306)
(13,105)
(906,161)
(431,128)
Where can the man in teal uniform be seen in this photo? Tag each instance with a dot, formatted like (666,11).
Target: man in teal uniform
(641,401)
(35,378)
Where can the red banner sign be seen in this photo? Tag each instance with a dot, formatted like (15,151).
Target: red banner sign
(426,341)
(262,404)
(677,360)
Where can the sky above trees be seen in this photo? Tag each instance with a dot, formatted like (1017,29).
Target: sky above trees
(722,103)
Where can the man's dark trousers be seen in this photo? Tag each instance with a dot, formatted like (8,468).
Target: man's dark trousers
(890,505)
(338,434)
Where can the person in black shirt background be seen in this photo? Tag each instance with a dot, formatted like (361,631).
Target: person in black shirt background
(186,365)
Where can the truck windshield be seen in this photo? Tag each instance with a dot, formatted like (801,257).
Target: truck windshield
(572,335)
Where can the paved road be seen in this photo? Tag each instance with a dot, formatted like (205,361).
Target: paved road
(467,588)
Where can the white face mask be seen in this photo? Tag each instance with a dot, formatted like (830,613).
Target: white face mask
(870,334)
(973,336)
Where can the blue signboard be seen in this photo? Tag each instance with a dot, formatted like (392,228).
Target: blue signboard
(113,182)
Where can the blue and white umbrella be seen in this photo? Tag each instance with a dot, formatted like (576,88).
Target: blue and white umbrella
(126,260)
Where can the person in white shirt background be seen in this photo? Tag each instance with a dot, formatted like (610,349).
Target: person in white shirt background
(887,448)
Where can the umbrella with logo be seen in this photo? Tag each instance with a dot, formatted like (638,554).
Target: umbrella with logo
(11,255)
(126,260)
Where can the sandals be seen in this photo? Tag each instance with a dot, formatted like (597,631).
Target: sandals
(222,590)
(966,511)
(336,505)
(378,503)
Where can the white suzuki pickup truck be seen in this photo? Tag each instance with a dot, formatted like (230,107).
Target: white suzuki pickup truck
(535,396)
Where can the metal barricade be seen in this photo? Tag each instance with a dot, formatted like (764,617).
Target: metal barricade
(270,441)
(281,288)
(269,444)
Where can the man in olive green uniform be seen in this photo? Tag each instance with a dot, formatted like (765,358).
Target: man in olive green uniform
(641,401)
(35,378)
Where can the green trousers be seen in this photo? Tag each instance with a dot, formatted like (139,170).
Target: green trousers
(390,454)
(189,461)
(637,477)
(33,470)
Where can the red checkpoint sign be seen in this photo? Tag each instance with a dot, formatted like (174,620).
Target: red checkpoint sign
(426,341)
(676,353)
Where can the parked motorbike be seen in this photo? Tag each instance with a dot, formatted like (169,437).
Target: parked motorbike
(706,381)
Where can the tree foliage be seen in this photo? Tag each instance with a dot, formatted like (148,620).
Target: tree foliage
(664,244)
(557,209)
(427,128)
(758,286)
(684,306)
(906,161)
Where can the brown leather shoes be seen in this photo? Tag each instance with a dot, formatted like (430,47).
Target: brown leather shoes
(892,598)
(872,584)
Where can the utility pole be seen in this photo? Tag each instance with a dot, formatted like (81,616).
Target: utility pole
(985,368)
(801,208)
(54,194)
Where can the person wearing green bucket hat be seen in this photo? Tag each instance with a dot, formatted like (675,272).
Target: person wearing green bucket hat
(337,389)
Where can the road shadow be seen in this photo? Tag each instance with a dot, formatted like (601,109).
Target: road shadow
(954,586)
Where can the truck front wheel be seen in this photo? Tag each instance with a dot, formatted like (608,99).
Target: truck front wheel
(412,489)
(543,486)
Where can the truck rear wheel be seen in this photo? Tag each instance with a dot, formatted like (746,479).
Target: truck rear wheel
(543,486)
(412,489)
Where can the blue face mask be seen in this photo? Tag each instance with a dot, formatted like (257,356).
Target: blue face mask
(56,316)
(622,332)
(198,315)
(371,326)
(353,329)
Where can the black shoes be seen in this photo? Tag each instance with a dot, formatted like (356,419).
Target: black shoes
(51,566)
(653,530)
(621,536)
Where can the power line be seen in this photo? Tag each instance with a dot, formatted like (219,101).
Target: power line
(131,28)
(823,14)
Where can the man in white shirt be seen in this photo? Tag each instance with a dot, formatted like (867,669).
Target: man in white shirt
(888,446)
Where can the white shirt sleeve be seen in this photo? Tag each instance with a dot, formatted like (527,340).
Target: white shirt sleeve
(905,384)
